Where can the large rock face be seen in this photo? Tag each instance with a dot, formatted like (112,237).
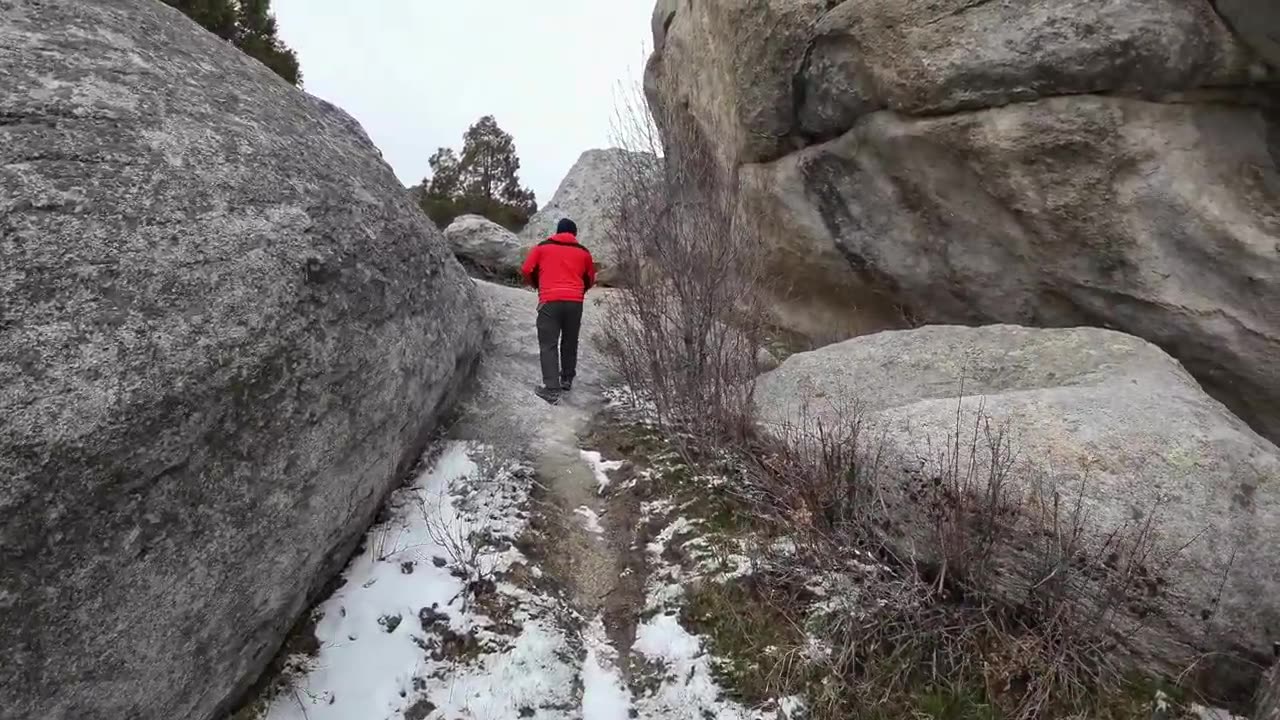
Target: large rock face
(1258,23)
(1043,163)
(586,196)
(224,334)
(1090,413)
(501,407)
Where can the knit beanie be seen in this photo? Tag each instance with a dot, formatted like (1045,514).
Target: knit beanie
(567,226)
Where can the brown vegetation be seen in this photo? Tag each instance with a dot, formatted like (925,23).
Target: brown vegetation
(927,621)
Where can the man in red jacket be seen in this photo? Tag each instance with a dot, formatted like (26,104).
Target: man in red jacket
(562,270)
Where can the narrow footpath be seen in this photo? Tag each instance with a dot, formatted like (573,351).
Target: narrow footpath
(520,574)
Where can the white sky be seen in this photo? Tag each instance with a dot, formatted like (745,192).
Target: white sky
(418,73)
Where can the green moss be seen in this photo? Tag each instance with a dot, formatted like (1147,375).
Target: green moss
(1136,698)
(747,636)
(959,702)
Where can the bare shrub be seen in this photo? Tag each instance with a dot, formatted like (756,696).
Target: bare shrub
(979,584)
(687,334)
(470,555)
(384,540)
(965,576)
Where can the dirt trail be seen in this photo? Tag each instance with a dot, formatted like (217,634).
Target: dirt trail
(589,541)
(489,591)
(580,558)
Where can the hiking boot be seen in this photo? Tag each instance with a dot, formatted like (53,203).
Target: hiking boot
(551,396)
(566,385)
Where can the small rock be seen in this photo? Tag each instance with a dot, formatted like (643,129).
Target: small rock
(390,622)
(430,617)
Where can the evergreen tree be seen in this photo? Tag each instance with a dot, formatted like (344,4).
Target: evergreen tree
(250,26)
(446,175)
(440,193)
(484,180)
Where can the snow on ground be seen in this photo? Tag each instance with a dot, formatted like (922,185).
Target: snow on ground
(604,695)
(1201,712)
(590,520)
(535,674)
(391,636)
(429,625)
(601,468)
(687,688)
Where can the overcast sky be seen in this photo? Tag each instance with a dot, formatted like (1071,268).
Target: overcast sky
(417,73)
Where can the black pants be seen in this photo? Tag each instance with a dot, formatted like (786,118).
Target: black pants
(558,326)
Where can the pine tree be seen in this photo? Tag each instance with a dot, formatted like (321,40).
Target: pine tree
(446,175)
(441,191)
(484,180)
(250,26)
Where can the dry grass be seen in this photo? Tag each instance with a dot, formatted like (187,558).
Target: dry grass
(923,619)
(973,585)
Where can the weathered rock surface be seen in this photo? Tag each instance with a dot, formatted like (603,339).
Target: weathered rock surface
(1042,163)
(1090,413)
(927,58)
(224,334)
(1069,211)
(486,247)
(501,407)
(586,196)
(1258,23)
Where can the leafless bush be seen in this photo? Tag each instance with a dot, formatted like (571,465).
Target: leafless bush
(977,577)
(470,556)
(688,332)
(991,582)
(384,540)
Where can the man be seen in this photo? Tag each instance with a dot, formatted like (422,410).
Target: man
(562,270)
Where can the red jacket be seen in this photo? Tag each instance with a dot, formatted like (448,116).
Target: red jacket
(560,268)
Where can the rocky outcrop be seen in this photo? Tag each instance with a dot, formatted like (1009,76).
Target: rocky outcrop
(586,195)
(1257,23)
(486,247)
(225,333)
(1043,163)
(1090,414)
(500,408)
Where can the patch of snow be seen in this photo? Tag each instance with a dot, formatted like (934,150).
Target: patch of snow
(632,404)
(604,696)
(680,526)
(534,674)
(656,508)
(1207,713)
(711,481)
(792,707)
(590,519)
(688,688)
(665,593)
(368,656)
(381,633)
(601,468)
(663,638)
(665,587)
(734,566)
